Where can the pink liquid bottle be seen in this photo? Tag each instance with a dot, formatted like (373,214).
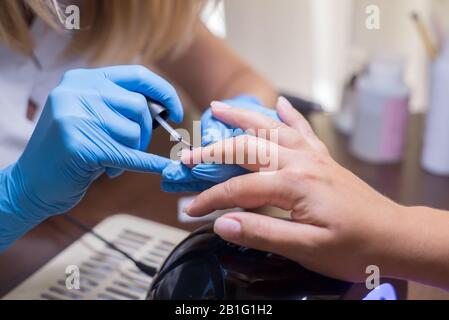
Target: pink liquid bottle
(382,113)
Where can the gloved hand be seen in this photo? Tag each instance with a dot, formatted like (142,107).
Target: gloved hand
(95,120)
(179,178)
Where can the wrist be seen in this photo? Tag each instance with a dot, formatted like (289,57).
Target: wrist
(419,250)
(389,236)
(15,220)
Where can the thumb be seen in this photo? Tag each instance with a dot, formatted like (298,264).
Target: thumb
(113,172)
(286,238)
(135,160)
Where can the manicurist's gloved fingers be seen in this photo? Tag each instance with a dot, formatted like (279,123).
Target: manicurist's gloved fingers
(133,106)
(289,239)
(176,177)
(127,121)
(257,124)
(123,130)
(248,191)
(140,79)
(133,160)
(176,172)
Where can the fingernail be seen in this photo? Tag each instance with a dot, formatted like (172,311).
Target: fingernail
(188,207)
(218,105)
(185,156)
(228,228)
(282,101)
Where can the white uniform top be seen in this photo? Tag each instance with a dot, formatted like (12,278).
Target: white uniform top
(22,80)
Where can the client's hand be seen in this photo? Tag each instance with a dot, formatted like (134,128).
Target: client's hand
(339,225)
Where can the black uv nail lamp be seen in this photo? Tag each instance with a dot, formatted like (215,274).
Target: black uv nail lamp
(204,266)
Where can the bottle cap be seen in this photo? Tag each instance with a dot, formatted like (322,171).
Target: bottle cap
(388,69)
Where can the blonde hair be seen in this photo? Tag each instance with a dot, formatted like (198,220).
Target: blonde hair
(111,30)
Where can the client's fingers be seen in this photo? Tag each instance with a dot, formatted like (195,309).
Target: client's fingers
(248,191)
(295,120)
(289,239)
(249,152)
(257,124)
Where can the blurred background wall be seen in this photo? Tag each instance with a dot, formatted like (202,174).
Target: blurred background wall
(308,47)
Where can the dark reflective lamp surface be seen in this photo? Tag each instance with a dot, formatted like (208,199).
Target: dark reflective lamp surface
(204,266)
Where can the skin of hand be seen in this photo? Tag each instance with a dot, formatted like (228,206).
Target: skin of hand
(339,225)
(209,70)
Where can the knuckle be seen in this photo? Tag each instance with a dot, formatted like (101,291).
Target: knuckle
(297,142)
(55,97)
(232,190)
(206,196)
(317,158)
(63,127)
(260,231)
(229,188)
(141,71)
(299,176)
(307,176)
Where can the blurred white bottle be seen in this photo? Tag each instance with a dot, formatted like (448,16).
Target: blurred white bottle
(435,156)
(344,118)
(382,112)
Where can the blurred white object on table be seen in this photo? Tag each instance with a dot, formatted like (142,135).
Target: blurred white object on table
(381,113)
(435,157)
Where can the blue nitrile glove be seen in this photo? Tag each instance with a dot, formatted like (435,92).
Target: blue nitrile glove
(95,120)
(212,130)
(176,177)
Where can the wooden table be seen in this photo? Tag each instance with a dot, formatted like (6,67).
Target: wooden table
(140,194)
